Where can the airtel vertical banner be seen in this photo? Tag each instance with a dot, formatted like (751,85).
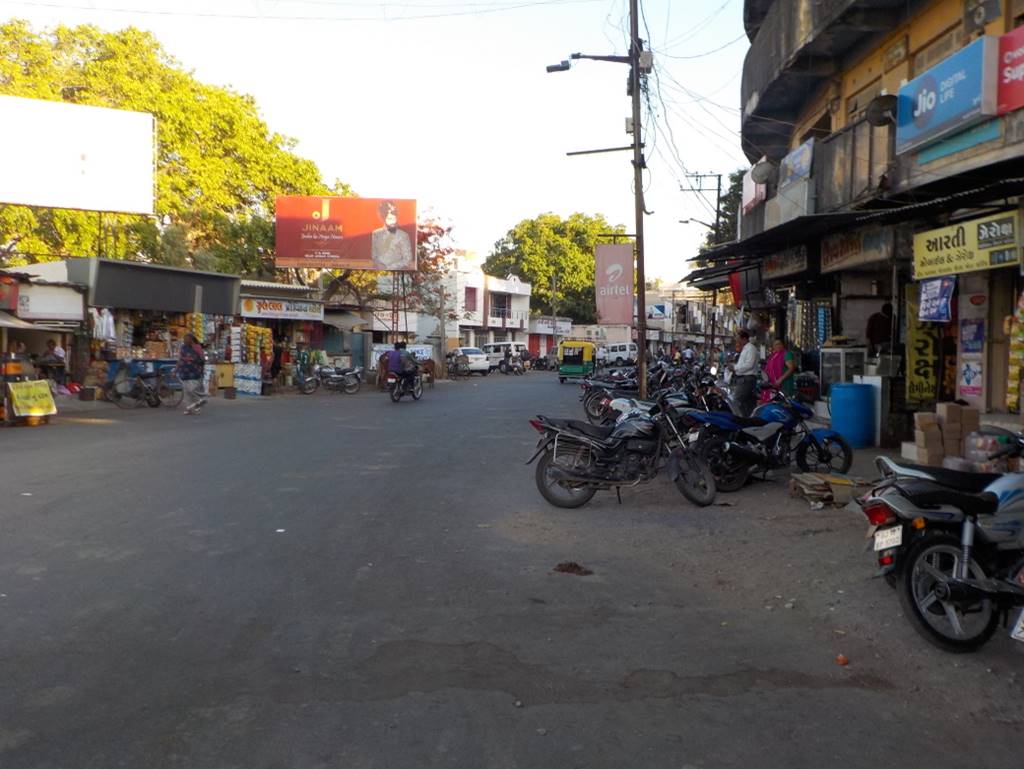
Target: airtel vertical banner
(345,233)
(613,283)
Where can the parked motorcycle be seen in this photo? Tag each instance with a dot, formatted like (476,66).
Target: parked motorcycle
(400,386)
(576,459)
(347,380)
(952,544)
(773,437)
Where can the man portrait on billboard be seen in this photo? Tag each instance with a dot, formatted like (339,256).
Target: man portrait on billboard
(391,247)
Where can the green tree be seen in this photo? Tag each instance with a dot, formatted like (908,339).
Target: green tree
(548,246)
(218,165)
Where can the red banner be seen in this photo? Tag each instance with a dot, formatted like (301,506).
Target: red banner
(1011,71)
(613,283)
(346,233)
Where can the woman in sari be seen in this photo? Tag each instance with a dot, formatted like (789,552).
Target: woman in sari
(781,368)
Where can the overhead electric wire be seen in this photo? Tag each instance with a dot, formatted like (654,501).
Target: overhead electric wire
(701,55)
(478,10)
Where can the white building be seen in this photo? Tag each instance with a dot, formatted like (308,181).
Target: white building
(489,309)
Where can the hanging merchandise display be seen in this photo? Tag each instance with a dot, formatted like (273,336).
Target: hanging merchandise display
(257,343)
(1016,357)
(923,344)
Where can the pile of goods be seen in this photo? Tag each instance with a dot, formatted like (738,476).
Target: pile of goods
(257,343)
(949,438)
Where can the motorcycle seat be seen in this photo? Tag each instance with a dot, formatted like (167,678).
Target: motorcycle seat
(971,483)
(594,431)
(928,494)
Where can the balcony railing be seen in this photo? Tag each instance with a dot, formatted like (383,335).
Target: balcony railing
(849,165)
(503,317)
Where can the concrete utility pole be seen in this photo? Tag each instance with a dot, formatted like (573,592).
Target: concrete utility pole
(717,229)
(638,65)
(635,49)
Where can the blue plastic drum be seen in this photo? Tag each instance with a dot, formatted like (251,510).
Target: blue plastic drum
(853,413)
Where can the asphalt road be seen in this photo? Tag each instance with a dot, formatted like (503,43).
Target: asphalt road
(339,581)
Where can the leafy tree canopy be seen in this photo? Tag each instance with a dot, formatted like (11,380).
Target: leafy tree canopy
(548,246)
(729,208)
(218,165)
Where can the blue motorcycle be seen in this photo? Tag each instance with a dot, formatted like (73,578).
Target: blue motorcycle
(776,433)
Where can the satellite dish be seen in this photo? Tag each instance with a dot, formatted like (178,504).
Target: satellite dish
(881,110)
(762,171)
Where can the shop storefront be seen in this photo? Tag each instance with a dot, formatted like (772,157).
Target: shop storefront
(140,313)
(279,327)
(963,334)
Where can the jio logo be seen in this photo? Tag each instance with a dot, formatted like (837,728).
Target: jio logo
(925,100)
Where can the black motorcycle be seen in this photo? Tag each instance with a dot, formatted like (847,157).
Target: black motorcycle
(347,380)
(577,459)
(399,386)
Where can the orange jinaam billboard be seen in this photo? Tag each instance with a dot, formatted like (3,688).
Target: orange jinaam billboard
(345,233)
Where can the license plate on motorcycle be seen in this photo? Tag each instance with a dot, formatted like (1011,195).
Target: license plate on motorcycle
(1018,629)
(888,538)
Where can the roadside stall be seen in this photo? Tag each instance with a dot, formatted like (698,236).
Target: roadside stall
(576,359)
(281,327)
(140,313)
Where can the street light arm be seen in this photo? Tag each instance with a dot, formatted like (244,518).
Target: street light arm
(614,59)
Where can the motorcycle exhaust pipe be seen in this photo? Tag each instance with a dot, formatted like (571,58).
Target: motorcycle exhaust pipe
(742,452)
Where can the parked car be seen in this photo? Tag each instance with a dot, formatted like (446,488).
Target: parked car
(496,352)
(622,354)
(478,362)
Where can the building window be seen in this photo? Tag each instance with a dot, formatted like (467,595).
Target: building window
(501,305)
(945,44)
(470,299)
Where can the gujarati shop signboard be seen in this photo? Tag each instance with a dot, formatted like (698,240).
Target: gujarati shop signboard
(856,247)
(281,309)
(955,94)
(978,244)
(345,233)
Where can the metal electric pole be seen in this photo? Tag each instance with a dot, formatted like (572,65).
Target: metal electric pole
(639,64)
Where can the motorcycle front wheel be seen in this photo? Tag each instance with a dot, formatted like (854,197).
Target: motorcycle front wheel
(309,385)
(695,480)
(558,492)
(951,626)
(417,389)
(832,455)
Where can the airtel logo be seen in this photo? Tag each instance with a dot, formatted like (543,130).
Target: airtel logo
(613,273)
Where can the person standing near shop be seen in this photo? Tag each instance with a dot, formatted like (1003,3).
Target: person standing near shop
(879,331)
(781,368)
(745,372)
(191,362)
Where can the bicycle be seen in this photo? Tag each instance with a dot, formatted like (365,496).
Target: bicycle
(153,388)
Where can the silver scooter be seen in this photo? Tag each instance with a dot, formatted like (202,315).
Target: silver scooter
(952,544)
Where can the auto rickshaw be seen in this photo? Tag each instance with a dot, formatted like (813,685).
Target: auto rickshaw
(576,359)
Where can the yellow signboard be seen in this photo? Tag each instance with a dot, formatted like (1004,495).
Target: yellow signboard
(978,244)
(32,399)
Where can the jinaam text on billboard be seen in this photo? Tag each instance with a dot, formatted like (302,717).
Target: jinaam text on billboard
(345,233)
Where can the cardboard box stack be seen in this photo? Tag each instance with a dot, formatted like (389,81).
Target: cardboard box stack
(949,416)
(928,439)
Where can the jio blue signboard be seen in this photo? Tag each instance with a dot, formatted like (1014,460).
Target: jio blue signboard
(953,95)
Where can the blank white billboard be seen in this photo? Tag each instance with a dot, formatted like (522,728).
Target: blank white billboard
(59,155)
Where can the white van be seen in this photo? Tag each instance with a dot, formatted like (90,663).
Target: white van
(496,352)
(621,354)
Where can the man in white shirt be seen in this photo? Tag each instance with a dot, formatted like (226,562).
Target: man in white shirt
(746,374)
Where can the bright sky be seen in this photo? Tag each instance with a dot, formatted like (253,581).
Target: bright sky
(448,101)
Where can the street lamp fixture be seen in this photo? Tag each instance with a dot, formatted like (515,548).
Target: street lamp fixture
(697,221)
(564,66)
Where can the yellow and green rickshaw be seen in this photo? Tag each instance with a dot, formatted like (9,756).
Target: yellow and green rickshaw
(576,359)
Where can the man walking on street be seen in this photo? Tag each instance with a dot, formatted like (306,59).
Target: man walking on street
(191,362)
(745,374)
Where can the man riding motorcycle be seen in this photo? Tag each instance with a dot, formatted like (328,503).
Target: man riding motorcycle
(402,363)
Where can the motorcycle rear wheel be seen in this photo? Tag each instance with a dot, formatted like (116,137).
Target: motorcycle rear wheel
(730,474)
(396,392)
(352,386)
(944,624)
(695,481)
(559,493)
